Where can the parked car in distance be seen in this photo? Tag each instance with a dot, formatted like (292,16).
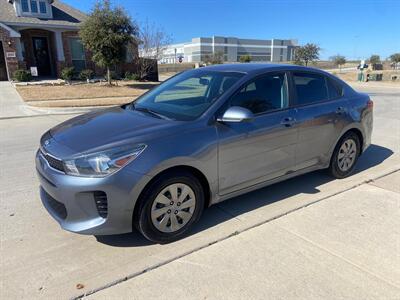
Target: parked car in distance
(201,137)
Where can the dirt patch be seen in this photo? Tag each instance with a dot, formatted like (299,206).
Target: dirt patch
(353,75)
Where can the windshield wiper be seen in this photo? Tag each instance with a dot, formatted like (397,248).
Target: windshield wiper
(149,111)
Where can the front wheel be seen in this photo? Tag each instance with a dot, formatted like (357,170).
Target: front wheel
(345,156)
(169,207)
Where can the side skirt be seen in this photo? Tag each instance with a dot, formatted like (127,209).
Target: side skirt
(266,183)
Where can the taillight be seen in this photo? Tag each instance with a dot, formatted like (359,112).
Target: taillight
(370,104)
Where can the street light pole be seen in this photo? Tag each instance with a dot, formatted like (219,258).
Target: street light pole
(175,60)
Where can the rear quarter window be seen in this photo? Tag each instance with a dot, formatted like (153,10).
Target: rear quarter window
(335,90)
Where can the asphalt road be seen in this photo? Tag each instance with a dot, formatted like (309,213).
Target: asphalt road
(39,260)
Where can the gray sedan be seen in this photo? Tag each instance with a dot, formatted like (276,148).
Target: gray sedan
(199,138)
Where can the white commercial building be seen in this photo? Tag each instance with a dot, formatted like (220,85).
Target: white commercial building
(232,48)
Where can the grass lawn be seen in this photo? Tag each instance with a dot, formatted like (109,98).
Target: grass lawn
(132,89)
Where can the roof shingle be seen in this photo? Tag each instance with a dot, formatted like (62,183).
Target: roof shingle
(63,15)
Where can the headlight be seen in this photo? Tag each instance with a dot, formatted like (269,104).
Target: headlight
(102,163)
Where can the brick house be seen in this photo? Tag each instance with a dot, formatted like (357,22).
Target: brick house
(44,34)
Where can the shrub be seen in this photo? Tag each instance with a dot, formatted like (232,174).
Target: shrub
(22,75)
(67,73)
(132,76)
(214,59)
(245,58)
(136,77)
(86,74)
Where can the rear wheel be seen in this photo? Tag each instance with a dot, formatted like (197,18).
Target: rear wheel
(169,207)
(345,155)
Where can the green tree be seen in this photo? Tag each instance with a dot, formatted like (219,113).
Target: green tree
(215,58)
(307,53)
(374,59)
(338,60)
(395,58)
(106,33)
(245,58)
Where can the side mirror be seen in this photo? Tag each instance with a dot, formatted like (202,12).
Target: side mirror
(236,114)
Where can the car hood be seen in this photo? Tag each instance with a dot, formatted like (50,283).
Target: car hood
(106,128)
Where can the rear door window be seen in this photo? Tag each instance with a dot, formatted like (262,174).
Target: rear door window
(310,87)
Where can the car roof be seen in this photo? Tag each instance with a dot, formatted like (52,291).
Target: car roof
(256,67)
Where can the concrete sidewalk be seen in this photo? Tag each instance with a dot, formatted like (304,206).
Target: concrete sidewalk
(344,247)
(12,105)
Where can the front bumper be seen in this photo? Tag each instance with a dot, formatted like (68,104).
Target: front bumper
(71,200)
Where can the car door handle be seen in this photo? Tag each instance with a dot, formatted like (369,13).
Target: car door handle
(288,122)
(340,110)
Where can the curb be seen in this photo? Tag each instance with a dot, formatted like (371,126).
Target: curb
(37,112)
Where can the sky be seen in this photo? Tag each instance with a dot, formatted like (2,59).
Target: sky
(353,28)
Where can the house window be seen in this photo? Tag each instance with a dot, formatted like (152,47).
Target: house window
(25,6)
(34,7)
(77,54)
(42,7)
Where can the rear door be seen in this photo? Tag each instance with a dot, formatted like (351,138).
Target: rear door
(263,148)
(321,115)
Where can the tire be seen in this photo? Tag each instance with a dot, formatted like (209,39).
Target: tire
(341,166)
(154,200)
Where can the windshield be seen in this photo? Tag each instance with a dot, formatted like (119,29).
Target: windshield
(186,96)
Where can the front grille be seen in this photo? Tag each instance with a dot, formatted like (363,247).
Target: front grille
(100,198)
(57,207)
(53,162)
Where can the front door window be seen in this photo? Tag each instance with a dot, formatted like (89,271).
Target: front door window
(42,56)
(265,93)
(78,54)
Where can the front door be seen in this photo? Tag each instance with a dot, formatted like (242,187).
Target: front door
(3,68)
(263,148)
(42,55)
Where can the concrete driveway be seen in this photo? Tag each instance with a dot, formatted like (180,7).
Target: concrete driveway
(309,237)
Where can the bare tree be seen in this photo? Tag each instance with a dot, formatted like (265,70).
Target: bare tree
(153,41)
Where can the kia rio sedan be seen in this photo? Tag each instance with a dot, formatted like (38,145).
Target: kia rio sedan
(199,138)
